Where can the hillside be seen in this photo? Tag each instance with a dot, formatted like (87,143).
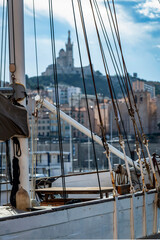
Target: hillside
(76,81)
(72,80)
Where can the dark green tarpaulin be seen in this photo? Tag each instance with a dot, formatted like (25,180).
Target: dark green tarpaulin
(13,120)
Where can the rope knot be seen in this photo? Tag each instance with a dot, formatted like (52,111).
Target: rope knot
(131,112)
(35,113)
(107,151)
(121,141)
(145,141)
(138,150)
(132,190)
(13,77)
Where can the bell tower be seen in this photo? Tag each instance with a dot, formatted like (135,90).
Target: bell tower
(69,52)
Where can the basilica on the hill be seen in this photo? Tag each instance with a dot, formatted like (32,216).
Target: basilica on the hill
(65,62)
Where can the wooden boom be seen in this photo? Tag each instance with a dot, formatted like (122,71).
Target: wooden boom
(81,128)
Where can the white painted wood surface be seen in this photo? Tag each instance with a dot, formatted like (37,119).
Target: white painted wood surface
(93,220)
(88,180)
(17,9)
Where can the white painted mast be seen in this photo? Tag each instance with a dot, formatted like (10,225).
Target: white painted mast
(16,48)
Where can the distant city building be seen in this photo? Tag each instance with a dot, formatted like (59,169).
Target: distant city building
(143,86)
(147,107)
(65,128)
(149,110)
(135,75)
(64,92)
(48,163)
(65,62)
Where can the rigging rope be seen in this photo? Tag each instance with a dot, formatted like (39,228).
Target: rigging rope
(12,61)
(112,57)
(11,36)
(86,98)
(108,43)
(57,95)
(114,106)
(128,85)
(2,38)
(114,40)
(35,38)
(5,47)
(105,145)
(17,148)
(115,65)
(142,136)
(16,171)
(120,76)
(127,80)
(91,67)
(115,25)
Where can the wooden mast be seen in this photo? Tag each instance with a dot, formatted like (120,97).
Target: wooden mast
(16,49)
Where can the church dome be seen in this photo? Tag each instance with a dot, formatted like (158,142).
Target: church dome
(61,52)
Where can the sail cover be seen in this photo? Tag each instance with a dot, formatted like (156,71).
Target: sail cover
(13,120)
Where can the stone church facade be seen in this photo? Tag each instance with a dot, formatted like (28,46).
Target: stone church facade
(65,61)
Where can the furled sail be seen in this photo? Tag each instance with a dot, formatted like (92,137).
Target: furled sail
(13,120)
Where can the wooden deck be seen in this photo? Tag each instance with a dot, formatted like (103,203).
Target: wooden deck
(50,192)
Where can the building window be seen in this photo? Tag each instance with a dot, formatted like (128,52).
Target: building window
(135,98)
(141,99)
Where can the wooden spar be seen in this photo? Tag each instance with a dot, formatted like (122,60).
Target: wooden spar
(16,48)
(81,128)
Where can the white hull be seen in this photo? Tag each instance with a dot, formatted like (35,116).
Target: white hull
(98,219)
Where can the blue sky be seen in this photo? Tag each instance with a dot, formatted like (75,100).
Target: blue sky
(139,24)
